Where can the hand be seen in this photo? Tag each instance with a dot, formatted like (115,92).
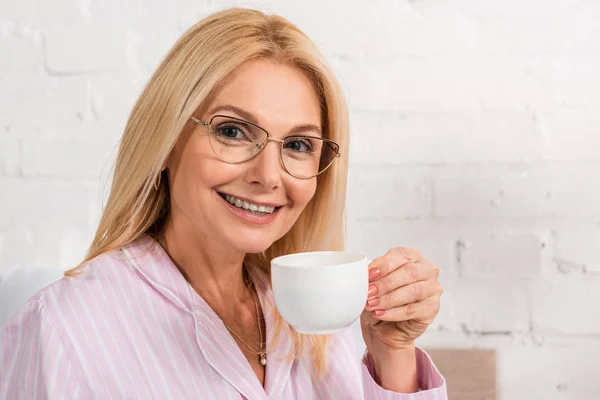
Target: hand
(404,298)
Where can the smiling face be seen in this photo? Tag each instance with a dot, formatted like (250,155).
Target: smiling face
(278,98)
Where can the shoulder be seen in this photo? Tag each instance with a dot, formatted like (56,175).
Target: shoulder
(71,301)
(100,277)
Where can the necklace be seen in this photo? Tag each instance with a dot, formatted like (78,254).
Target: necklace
(262,355)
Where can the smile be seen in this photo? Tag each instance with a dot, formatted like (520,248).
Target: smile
(250,207)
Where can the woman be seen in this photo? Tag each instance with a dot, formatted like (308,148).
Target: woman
(235,153)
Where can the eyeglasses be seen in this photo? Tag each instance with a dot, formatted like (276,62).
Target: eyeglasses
(235,141)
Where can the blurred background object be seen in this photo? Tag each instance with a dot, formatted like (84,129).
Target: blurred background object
(474,139)
(18,284)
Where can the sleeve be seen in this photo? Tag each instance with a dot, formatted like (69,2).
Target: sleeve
(431,383)
(33,361)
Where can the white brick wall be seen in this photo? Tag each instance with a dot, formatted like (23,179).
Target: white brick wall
(475,138)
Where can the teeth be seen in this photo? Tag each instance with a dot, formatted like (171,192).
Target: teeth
(249,206)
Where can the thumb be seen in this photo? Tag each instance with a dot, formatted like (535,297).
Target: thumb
(367,319)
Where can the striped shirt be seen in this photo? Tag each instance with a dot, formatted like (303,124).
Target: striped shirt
(129,326)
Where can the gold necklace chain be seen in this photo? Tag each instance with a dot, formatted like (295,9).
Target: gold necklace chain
(262,356)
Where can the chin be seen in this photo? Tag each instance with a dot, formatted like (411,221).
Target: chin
(256,248)
(255,245)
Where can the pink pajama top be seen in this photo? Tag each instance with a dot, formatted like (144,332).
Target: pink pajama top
(129,326)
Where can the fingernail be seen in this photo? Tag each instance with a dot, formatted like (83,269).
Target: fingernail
(374,274)
(373,302)
(378,313)
(372,290)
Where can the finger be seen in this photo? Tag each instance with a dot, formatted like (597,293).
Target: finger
(407,294)
(393,259)
(405,275)
(425,309)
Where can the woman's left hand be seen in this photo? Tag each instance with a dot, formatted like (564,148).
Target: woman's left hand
(404,299)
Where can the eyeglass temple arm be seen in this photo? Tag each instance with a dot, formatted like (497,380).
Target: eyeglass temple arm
(196,120)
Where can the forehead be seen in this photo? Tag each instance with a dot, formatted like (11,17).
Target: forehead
(277,95)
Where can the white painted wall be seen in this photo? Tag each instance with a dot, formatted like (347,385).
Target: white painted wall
(474,138)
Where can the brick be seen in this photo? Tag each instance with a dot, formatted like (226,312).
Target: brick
(492,136)
(485,306)
(383,29)
(31,203)
(109,12)
(43,102)
(86,155)
(416,35)
(30,248)
(499,303)
(377,192)
(155,26)
(17,10)
(149,47)
(577,250)
(562,34)
(568,371)
(113,97)
(524,192)
(575,80)
(184,12)
(436,240)
(24,52)
(9,155)
(502,255)
(570,135)
(85,47)
(466,27)
(508,8)
(567,306)
(444,83)
(29,13)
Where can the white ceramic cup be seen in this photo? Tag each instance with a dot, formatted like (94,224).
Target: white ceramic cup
(320,292)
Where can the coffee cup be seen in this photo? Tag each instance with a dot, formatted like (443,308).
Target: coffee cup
(320,292)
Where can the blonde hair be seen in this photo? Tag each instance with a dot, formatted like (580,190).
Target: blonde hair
(201,58)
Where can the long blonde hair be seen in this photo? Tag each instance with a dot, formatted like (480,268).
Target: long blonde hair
(200,59)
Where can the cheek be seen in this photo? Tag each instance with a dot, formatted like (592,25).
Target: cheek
(193,175)
(302,192)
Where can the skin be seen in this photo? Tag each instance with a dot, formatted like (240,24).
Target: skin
(204,237)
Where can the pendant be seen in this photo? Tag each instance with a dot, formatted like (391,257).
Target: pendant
(263,359)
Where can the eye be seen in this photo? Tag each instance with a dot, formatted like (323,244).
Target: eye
(230,132)
(300,145)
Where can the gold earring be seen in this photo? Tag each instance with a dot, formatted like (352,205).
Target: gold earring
(157,183)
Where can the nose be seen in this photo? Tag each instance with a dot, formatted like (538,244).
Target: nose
(266,168)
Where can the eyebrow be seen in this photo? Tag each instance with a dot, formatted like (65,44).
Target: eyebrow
(251,118)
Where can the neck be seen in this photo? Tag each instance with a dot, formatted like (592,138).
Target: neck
(213,271)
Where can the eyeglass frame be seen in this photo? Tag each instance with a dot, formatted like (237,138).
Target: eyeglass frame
(269,138)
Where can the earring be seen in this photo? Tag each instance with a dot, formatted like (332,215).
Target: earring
(157,183)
